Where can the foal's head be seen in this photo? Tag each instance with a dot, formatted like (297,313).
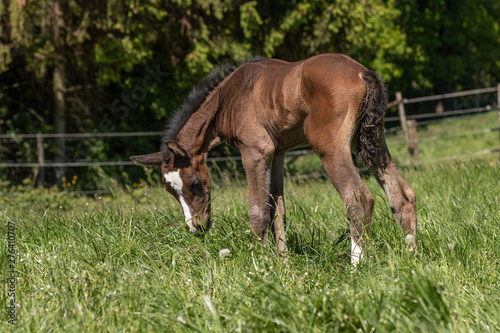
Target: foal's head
(186,177)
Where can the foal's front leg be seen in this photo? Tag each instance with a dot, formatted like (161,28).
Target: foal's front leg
(258,171)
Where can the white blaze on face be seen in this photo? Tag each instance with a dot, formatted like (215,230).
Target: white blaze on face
(356,254)
(174,179)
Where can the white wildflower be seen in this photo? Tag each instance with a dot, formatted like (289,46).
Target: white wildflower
(224,253)
(409,239)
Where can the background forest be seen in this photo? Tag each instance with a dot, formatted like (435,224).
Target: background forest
(80,66)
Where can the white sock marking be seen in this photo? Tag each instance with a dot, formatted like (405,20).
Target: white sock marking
(356,254)
(175,181)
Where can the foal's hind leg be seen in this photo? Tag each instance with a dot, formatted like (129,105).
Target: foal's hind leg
(357,199)
(330,137)
(401,196)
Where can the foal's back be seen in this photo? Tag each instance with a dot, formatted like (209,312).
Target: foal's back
(271,99)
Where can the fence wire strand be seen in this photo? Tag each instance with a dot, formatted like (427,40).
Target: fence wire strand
(425,119)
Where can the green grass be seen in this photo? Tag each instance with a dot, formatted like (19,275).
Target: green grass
(125,262)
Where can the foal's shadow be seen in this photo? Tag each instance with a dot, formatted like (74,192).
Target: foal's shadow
(302,245)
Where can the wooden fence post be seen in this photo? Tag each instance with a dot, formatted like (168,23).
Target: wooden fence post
(439,107)
(409,129)
(402,119)
(402,114)
(413,140)
(41,157)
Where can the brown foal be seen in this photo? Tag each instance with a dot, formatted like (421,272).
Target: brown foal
(266,107)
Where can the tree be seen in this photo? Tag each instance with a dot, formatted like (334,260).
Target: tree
(81,65)
(454,45)
(70,50)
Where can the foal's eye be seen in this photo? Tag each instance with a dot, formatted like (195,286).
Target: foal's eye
(196,187)
(196,182)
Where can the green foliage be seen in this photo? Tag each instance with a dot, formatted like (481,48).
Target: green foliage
(108,49)
(344,26)
(250,20)
(454,45)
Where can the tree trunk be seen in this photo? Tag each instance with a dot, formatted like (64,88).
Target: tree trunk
(58,85)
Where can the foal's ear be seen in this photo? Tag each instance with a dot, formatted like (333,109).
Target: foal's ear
(175,148)
(151,160)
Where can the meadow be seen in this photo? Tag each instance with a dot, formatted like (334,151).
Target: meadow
(124,262)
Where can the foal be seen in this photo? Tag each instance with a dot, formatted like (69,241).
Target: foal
(266,107)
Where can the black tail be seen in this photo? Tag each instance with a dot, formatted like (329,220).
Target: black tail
(373,111)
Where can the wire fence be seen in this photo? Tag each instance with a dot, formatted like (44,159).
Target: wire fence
(76,135)
(413,164)
(409,123)
(450,136)
(444,114)
(419,120)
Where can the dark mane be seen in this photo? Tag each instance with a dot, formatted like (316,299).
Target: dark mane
(196,97)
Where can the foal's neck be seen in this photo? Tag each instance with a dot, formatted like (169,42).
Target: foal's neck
(198,134)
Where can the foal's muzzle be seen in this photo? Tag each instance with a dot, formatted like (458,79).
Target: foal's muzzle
(200,224)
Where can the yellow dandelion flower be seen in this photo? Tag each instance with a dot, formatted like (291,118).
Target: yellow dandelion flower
(63,179)
(64,185)
(75,177)
(73,182)
(68,184)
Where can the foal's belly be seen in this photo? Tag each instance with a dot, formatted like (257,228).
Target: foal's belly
(290,138)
